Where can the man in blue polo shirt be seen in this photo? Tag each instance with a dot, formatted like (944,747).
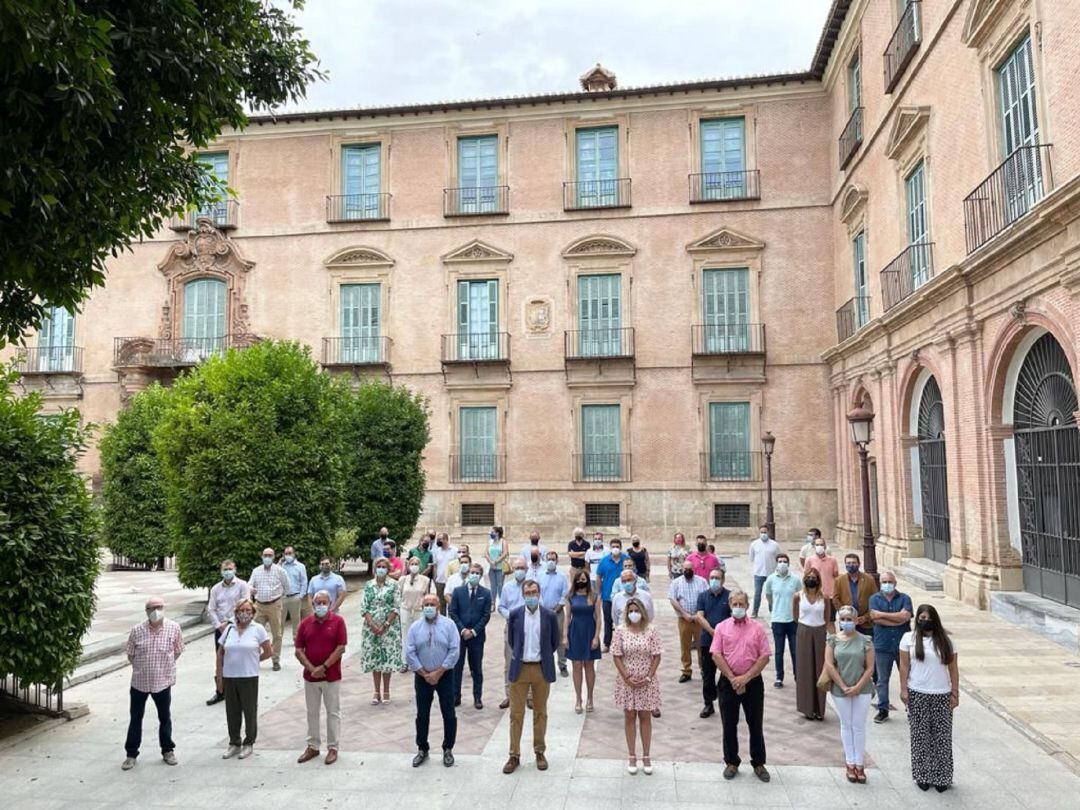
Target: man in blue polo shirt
(608,571)
(553,588)
(891,612)
(712,608)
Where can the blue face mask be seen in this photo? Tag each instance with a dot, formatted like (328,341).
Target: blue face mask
(738,612)
(888,587)
(715,585)
(846,625)
(491,535)
(268,560)
(532,601)
(628,587)
(519,575)
(430,611)
(551,566)
(852,568)
(321,610)
(474,578)
(289,558)
(228,575)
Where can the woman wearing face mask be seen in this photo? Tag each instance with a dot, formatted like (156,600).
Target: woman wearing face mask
(849,660)
(640,555)
(242,646)
(930,688)
(676,554)
(381,651)
(497,555)
(583,635)
(413,585)
(812,610)
(636,650)
(397,565)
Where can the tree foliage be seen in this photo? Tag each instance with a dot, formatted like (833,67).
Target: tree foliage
(133,490)
(97,99)
(46,539)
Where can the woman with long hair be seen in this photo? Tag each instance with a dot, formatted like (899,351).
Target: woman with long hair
(812,610)
(930,688)
(582,634)
(636,650)
(849,660)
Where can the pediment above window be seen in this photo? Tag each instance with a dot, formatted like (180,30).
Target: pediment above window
(477,251)
(908,126)
(853,202)
(982,18)
(359,257)
(725,239)
(592,246)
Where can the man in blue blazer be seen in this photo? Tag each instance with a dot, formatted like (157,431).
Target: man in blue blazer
(533,637)
(470,608)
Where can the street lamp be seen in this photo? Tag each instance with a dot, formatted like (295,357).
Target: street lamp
(768,441)
(861,420)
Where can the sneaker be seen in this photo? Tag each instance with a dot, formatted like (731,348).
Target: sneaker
(169,757)
(778,684)
(231,752)
(129,763)
(245,752)
(881,716)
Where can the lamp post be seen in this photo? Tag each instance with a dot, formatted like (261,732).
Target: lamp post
(861,420)
(768,441)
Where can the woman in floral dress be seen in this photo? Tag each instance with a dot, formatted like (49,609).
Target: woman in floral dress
(381,651)
(636,649)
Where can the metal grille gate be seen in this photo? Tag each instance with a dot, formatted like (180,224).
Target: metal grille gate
(932,473)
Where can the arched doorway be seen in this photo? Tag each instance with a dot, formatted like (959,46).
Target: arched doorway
(1047,447)
(933,488)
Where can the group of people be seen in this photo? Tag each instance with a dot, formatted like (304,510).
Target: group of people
(429,616)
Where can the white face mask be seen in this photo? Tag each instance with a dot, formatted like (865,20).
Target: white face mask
(819,550)
(634,617)
(415,569)
(156,615)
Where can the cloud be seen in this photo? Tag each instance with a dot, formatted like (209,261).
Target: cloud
(407,51)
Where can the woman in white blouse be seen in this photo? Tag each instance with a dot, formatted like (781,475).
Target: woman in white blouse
(242,646)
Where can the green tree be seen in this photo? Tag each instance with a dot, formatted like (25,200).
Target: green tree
(97,99)
(133,490)
(46,539)
(250,460)
(383,431)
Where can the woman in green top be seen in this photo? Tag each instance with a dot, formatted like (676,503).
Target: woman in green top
(849,662)
(497,556)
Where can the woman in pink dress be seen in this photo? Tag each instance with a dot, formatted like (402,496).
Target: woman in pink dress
(636,651)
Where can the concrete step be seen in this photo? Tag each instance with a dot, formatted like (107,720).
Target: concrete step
(1059,623)
(923,573)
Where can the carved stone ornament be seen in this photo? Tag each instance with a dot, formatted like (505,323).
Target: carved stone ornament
(359,257)
(477,251)
(592,246)
(538,316)
(1019,311)
(725,239)
(982,18)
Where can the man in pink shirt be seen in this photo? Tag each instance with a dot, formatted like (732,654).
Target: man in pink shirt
(741,651)
(703,561)
(825,564)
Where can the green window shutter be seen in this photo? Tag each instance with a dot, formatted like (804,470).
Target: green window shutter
(723,158)
(726,306)
(600,315)
(478,443)
(478,319)
(601,442)
(862,311)
(218,164)
(56,340)
(918,233)
(478,173)
(204,317)
(854,84)
(361,181)
(1023,178)
(729,440)
(360,322)
(597,166)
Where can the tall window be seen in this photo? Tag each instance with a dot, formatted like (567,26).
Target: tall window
(723,159)
(726,306)
(1020,128)
(918,232)
(204,318)
(597,167)
(478,319)
(478,443)
(854,79)
(360,323)
(56,341)
(361,181)
(601,442)
(729,440)
(600,315)
(217,163)
(862,291)
(478,174)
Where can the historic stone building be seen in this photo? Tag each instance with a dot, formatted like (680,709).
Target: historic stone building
(609,295)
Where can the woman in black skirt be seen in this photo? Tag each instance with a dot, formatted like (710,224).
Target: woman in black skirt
(930,688)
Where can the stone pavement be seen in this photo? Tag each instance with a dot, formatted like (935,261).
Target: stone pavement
(77,763)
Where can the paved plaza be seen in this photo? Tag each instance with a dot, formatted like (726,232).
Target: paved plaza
(1015,738)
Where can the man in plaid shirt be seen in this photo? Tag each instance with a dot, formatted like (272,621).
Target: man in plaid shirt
(152,648)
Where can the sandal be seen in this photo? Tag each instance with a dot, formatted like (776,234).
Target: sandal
(852,774)
(577,707)
(589,707)
(376,699)
(386,697)
(860,774)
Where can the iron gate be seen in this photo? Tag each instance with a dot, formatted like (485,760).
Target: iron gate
(1047,444)
(932,474)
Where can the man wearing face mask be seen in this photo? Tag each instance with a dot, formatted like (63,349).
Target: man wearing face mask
(683,595)
(534,546)
(432,651)
(713,607)
(740,650)
(608,571)
(512,597)
(825,565)
(762,555)
(378,545)
(854,588)
(780,589)
(441,557)
(891,612)
(593,557)
(320,643)
(268,584)
(578,548)
(296,594)
(224,597)
(422,554)
(629,587)
(807,550)
(470,609)
(458,578)
(152,648)
(327,580)
(702,560)
(553,592)
(536,565)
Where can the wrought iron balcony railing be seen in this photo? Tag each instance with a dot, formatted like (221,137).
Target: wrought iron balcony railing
(731,466)
(611,467)
(1011,190)
(476,347)
(356,351)
(851,137)
(129,352)
(903,44)
(583,194)
(50,360)
(852,317)
(723,186)
(477,468)
(222,214)
(588,344)
(906,273)
(358,208)
(728,338)
(472,202)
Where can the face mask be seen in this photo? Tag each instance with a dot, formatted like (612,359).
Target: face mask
(380,573)
(228,575)
(924,624)
(383,536)
(628,587)
(888,587)
(474,578)
(811,584)
(492,536)
(634,617)
(738,612)
(532,601)
(763,536)
(852,568)
(534,540)
(616,552)
(819,550)
(324,570)
(551,566)
(688,573)
(716,585)
(583,585)
(598,545)
(414,569)
(322,610)
(244,617)
(847,625)
(290,558)
(424,545)
(782,568)
(810,539)
(268,560)
(637,543)
(156,615)
(430,611)
(701,547)
(519,575)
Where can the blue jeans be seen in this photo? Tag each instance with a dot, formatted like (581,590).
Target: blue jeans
(495,577)
(781,631)
(162,701)
(883,665)
(759,584)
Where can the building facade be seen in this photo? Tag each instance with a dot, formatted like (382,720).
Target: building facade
(607,296)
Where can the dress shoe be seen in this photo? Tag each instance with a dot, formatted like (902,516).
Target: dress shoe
(564,672)
(684,678)
(505,704)
(331,756)
(730,771)
(478,704)
(129,763)
(761,773)
(448,758)
(924,786)
(217,698)
(511,764)
(541,762)
(309,754)
(231,752)
(169,758)
(419,759)
(457,701)
(277,666)
(245,752)
(708,711)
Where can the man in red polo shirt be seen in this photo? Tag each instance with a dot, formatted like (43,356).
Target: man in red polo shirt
(320,643)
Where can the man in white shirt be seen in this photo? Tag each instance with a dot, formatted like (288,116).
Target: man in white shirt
(626,589)
(534,543)
(594,555)
(268,584)
(222,605)
(807,551)
(762,555)
(458,578)
(441,557)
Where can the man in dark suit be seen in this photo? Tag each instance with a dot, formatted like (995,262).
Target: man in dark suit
(470,608)
(533,636)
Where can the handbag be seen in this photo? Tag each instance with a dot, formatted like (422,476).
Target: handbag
(824,681)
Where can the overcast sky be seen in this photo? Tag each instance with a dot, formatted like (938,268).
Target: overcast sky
(406,51)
